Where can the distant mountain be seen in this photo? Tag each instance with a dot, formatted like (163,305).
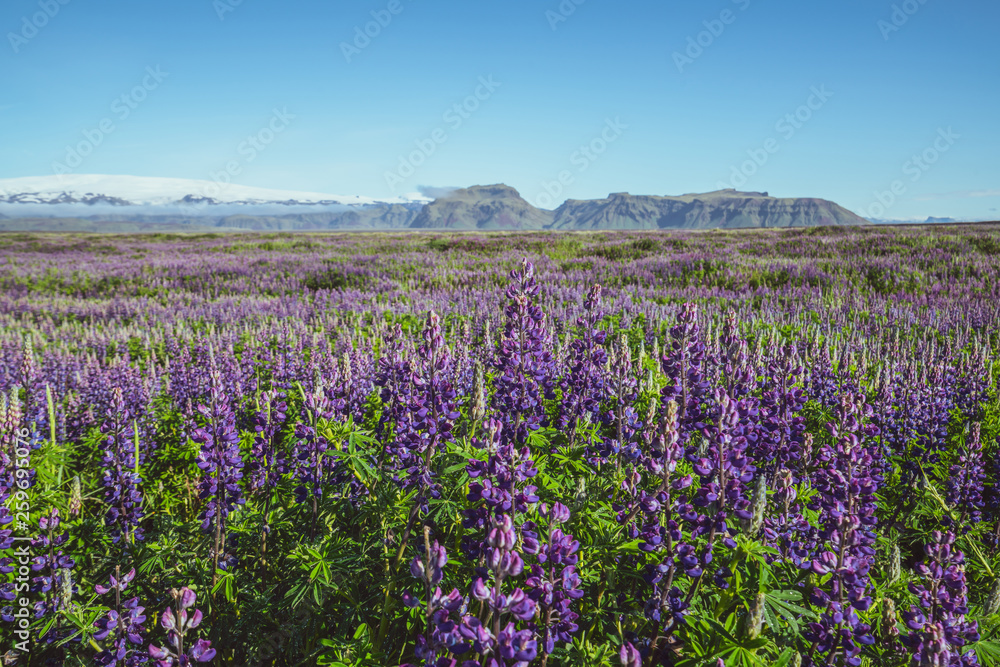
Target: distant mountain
(127,203)
(485,207)
(501,207)
(387,216)
(724,209)
(127,191)
(927,221)
(75,225)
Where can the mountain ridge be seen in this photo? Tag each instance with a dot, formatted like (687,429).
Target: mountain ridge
(118,201)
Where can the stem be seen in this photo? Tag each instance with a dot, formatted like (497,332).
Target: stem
(180,628)
(390,587)
(427,584)
(118,601)
(135,427)
(216,549)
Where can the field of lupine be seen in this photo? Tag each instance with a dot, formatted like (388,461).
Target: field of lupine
(725,448)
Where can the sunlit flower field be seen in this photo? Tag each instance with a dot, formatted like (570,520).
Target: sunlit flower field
(772,447)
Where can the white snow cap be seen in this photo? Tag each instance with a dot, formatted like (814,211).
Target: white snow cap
(141,190)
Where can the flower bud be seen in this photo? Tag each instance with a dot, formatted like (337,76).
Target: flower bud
(417,568)
(630,655)
(887,625)
(807,450)
(992,604)
(479,590)
(755,617)
(65,579)
(580,494)
(346,370)
(894,566)
(651,411)
(626,350)
(75,497)
(478,409)
(756,521)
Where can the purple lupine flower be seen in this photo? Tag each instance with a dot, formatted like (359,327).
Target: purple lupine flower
(847,484)
(312,466)
(660,531)
(356,375)
(554,582)
(725,473)
(317,468)
(179,623)
(630,655)
(583,387)
(938,626)
(395,377)
(55,581)
(525,369)
(524,364)
(965,485)
(441,634)
(433,409)
(822,385)
(737,372)
(267,462)
(504,562)
(123,624)
(499,484)
(780,434)
(623,387)
(121,481)
(515,647)
(683,365)
(220,463)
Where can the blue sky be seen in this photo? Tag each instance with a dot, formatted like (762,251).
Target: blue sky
(579,100)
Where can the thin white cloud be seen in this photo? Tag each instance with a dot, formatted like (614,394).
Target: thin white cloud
(961,194)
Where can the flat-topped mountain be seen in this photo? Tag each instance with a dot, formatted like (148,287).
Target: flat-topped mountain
(723,209)
(486,207)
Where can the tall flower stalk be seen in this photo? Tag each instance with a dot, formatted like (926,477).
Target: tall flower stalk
(221,466)
(121,472)
(122,624)
(847,483)
(554,583)
(178,622)
(938,626)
